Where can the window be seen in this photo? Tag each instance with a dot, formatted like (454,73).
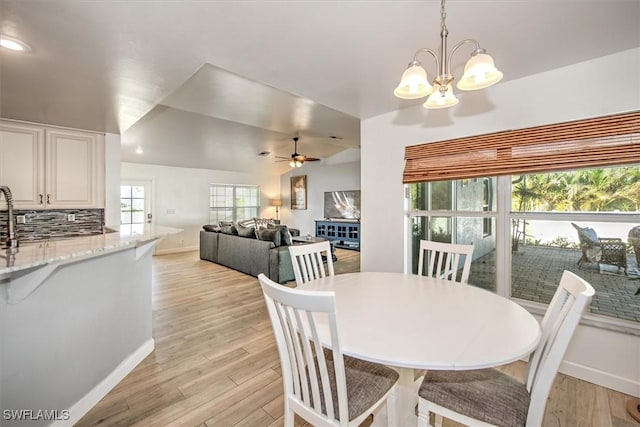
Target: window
(456,212)
(230,202)
(550,183)
(560,219)
(131,204)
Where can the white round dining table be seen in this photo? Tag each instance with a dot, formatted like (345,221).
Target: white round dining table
(411,322)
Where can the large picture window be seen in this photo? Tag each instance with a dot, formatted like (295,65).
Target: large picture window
(563,197)
(230,202)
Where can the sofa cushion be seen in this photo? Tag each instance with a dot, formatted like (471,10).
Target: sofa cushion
(285,235)
(244,231)
(270,234)
(249,256)
(211,227)
(229,229)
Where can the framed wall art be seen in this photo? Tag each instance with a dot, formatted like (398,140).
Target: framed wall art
(299,192)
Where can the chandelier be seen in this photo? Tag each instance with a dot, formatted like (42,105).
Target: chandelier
(479,72)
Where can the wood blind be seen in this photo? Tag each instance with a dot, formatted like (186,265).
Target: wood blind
(601,141)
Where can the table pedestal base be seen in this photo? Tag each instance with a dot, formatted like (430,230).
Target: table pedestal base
(405,400)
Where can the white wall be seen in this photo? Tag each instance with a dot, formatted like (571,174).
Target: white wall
(112,179)
(320,178)
(180,198)
(569,93)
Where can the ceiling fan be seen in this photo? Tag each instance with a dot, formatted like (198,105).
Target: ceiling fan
(296,160)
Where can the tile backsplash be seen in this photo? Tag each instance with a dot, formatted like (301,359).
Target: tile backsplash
(51,224)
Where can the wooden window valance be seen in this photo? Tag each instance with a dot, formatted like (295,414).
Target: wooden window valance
(600,141)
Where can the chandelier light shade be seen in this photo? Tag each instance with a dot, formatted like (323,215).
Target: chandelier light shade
(414,83)
(479,72)
(441,98)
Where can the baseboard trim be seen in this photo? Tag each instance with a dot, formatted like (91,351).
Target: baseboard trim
(176,250)
(89,400)
(601,378)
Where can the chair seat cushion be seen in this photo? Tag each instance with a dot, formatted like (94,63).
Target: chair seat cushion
(486,394)
(367,383)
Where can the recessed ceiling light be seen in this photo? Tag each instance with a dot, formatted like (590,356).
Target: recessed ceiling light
(139,150)
(14,44)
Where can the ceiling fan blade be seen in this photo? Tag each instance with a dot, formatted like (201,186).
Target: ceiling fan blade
(283,157)
(311,159)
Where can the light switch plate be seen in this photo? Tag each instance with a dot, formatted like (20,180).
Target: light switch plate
(71,217)
(21,219)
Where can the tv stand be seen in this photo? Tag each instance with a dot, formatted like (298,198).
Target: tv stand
(342,233)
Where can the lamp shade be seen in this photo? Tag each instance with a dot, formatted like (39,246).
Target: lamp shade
(439,100)
(414,84)
(275,202)
(480,72)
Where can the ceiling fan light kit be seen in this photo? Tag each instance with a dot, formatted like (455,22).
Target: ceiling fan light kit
(297,160)
(479,72)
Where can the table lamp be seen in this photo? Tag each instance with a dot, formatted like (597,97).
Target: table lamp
(277,203)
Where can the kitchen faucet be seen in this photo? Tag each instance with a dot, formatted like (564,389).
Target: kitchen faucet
(12,241)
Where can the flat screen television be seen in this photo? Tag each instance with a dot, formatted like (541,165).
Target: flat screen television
(343,205)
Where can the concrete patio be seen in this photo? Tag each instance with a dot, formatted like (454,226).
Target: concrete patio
(536,272)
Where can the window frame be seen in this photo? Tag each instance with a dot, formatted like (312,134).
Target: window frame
(234,202)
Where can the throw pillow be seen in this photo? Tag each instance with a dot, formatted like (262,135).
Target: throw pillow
(263,222)
(270,235)
(285,235)
(229,229)
(225,223)
(211,227)
(246,231)
(247,223)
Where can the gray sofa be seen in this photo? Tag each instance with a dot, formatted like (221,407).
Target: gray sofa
(250,256)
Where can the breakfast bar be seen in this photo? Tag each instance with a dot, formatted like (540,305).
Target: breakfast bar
(75,318)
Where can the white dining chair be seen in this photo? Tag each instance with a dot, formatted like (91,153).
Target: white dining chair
(320,384)
(309,260)
(488,397)
(445,260)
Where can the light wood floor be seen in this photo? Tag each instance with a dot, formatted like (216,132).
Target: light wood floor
(215,361)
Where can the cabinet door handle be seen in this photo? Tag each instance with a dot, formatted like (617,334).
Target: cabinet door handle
(48,199)
(41,198)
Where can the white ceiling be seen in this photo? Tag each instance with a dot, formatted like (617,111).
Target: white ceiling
(212,83)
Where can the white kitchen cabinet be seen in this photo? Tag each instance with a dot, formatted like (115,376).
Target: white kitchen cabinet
(22,163)
(75,169)
(52,168)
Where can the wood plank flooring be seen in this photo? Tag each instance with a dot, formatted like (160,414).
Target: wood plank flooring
(216,364)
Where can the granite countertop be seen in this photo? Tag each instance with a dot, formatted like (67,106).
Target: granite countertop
(34,254)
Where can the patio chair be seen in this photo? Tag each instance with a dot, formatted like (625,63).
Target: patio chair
(445,260)
(489,397)
(322,385)
(613,251)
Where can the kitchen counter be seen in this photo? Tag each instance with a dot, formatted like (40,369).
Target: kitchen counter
(75,318)
(32,255)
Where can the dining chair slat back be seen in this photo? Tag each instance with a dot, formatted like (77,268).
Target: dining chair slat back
(559,323)
(526,401)
(309,260)
(316,379)
(445,260)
